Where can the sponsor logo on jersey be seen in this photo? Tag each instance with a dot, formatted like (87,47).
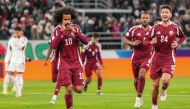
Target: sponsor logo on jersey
(139,34)
(158,32)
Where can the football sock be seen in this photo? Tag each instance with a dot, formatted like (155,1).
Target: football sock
(57,88)
(5,83)
(20,82)
(99,83)
(68,101)
(154,101)
(11,77)
(140,86)
(16,78)
(135,84)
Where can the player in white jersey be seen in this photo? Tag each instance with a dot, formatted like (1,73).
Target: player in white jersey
(7,62)
(17,59)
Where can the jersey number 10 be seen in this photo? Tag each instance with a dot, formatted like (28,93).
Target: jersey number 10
(68,41)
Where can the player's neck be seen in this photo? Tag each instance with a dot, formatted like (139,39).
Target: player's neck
(166,23)
(145,27)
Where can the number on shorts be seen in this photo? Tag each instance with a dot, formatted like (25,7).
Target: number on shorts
(81,76)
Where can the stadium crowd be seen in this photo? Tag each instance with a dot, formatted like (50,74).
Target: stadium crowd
(34,16)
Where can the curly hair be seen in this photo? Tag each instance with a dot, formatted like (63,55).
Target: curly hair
(58,13)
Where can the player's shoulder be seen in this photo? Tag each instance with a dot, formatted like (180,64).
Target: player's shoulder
(98,45)
(58,27)
(175,25)
(134,27)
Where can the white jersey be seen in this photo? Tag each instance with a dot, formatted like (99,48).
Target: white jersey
(18,50)
(9,50)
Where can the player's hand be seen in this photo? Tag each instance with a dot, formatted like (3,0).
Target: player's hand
(153,41)
(71,28)
(103,66)
(136,43)
(63,27)
(174,44)
(45,63)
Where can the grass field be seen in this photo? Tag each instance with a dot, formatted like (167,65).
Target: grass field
(117,94)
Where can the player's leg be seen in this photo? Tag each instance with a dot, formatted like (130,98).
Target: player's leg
(155,91)
(155,75)
(68,96)
(97,70)
(20,70)
(88,73)
(168,71)
(78,80)
(6,81)
(54,71)
(57,87)
(14,89)
(5,84)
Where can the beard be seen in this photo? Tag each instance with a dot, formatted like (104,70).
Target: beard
(144,24)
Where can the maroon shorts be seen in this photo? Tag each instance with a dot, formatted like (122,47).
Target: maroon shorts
(54,69)
(157,69)
(89,67)
(137,65)
(71,76)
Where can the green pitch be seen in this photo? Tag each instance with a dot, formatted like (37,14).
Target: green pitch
(117,94)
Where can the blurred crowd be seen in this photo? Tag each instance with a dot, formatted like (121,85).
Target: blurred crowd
(35,16)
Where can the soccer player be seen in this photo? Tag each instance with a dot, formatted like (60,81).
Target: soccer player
(140,55)
(91,58)
(157,20)
(69,62)
(163,37)
(17,59)
(54,64)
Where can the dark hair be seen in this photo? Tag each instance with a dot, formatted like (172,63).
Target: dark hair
(145,12)
(157,19)
(58,13)
(95,35)
(17,28)
(167,7)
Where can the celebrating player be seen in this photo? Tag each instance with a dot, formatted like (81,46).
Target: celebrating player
(140,56)
(69,63)
(91,58)
(163,37)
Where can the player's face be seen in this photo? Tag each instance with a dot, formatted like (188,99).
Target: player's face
(165,14)
(66,19)
(15,33)
(94,40)
(145,19)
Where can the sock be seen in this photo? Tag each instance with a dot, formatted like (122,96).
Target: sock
(99,83)
(11,77)
(135,84)
(57,88)
(20,83)
(69,101)
(54,97)
(16,78)
(6,83)
(164,87)
(140,86)
(154,101)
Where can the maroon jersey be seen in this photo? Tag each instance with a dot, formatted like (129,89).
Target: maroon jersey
(165,37)
(91,53)
(141,51)
(69,52)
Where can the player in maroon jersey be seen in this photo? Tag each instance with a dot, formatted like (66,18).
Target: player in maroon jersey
(140,55)
(91,58)
(69,62)
(163,37)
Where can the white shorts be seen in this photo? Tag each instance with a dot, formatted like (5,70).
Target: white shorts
(15,67)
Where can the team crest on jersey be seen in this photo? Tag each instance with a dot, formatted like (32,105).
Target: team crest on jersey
(158,32)
(139,34)
(72,34)
(171,32)
(89,50)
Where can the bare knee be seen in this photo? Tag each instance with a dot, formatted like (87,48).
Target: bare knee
(69,89)
(142,73)
(78,89)
(98,73)
(155,84)
(88,80)
(166,82)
